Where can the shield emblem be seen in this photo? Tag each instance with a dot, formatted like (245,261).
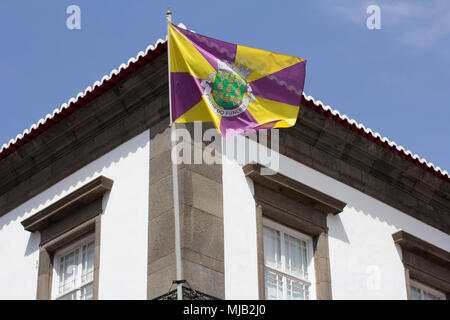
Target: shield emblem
(228,90)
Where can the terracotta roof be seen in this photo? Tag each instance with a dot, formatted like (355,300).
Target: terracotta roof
(159,48)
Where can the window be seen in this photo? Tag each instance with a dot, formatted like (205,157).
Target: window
(69,267)
(73,273)
(427,268)
(283,270)
(288,263)
(420,291)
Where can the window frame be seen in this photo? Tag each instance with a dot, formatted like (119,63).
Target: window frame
(423,287)
(423,263)
(63,251)
(309,257)
(301,207)
(66,220)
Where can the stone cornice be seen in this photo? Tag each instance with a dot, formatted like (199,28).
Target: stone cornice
(424,261)
(330,148)
(299,191)
(409,242)
(83,195)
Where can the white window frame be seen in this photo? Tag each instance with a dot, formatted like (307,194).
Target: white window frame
(422,287)
(309,256)
(56,264)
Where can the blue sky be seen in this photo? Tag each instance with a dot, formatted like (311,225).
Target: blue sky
(395,80)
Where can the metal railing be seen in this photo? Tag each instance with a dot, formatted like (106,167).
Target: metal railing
(187,293)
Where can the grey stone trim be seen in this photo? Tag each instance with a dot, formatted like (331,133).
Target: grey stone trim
(424,262)
(260,251)
(97,245)
(47,252)
(322,266)
(84,197)
(69,236)
(297,206)
(316,199)
(72,219)
(320,247)
(45,272)
(408,284)
(201,215)
(66,221)
(289,212)
(332,149)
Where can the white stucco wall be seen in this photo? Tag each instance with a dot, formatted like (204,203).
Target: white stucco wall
(239,218)
(364,261)
(124,227)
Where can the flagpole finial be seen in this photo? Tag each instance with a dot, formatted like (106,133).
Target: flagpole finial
(169,15)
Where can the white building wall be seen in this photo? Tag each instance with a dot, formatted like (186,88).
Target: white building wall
(240,250)
(365,263)
(124,227)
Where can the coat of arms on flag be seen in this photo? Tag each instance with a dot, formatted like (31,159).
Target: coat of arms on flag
(225,88)
(239,89)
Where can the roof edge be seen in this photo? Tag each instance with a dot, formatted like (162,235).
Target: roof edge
(375,137)
(91,92)
(151,52)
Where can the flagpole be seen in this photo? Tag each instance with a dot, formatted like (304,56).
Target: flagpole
(176,203)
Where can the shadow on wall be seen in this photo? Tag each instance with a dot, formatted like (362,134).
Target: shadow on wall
(362,205)
(32,243)
(338,231)
(367,224)
(359,203)
(69,184)
(380,212)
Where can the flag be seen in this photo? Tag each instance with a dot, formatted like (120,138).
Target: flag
(238,88)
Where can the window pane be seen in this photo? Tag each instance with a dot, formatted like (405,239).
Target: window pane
(429,296)
(74,273)
(87,292)
(296,262)
(296,290)
(87,271)
(273,285)
(70,296)
(272,248)
(68,272)
(415,293)
(421,292)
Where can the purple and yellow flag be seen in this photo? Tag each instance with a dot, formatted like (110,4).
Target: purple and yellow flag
(237,88)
